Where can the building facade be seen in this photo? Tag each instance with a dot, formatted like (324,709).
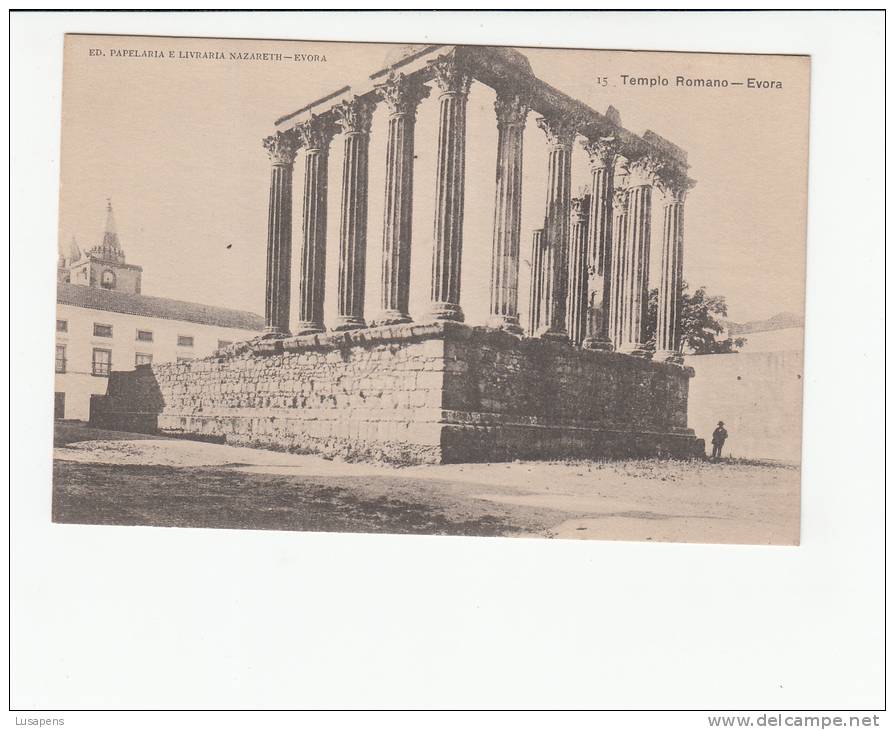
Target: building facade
(104,323)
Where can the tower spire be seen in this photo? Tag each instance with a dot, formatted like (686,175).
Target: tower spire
(110,248)
(74,251)
(110,219)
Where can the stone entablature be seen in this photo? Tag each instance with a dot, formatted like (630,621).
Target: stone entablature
(504,70)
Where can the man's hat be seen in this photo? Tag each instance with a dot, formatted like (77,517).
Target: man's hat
(720,423)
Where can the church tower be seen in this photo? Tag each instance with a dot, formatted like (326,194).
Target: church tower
(104,266)
(109,250)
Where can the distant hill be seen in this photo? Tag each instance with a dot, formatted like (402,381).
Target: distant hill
(781,321)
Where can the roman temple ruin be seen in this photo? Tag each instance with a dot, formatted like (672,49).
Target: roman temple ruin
(572,379)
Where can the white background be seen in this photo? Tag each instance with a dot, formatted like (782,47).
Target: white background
(121,617)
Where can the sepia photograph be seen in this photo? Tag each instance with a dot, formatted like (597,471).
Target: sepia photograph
(460,290)
(443,360)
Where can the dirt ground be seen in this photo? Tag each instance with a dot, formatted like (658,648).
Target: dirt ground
(115,478)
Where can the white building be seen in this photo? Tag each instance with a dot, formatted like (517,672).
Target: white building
(103,322)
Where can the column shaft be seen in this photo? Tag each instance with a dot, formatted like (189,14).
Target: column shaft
(618,264)
(578,269)
(397,222)
(559,183)
(316,136)
(668,324)
(402,95)
(450,179)
(511,113)
(536,286)
(281,148)
(635,292)
(355,117)
(602,154)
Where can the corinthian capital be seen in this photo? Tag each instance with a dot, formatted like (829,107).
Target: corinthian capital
(511,109)
(317,132)
(355,116)
(620,199)
(560,132)
(402,94)
(450,75)
(666,174)
(673,183)
(281,147)
(645,170)
(581,205)
(602,152)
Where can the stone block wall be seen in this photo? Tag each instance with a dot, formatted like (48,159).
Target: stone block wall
(413,394)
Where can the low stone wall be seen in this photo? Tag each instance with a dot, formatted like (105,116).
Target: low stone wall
(430,393)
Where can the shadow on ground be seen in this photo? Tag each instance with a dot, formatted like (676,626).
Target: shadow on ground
(225,498)
(72,432)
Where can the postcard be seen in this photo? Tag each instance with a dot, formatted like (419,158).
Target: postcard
(429,289)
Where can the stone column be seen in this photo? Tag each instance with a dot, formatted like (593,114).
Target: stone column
(618,264)
(635,291)
(560,135)
(511,111)
(402,95)
(281,147)
(602,153)
(578,268)
(536,288)
(315,136)
(668,324)
(355,118)
(453,81)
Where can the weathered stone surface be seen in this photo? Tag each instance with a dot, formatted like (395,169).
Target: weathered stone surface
(450,180)
(401,96)
(671,281)
(414,394)
(603,154)
(577,299)
(281,147)
(355,118)
(511,111)
(316,136)
(560,135)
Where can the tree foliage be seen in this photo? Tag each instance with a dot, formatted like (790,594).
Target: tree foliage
(701,324)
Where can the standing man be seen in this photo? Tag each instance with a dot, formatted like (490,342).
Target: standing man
(719,436)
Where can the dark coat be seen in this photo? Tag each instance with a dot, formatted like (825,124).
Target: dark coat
(719,435)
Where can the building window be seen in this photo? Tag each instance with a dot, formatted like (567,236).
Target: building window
(60,358)
(224,343)
(144,335)
(107,280)
(102,330)
(102,361)
(62,325)
(142,358)
(184,359)
(184,340)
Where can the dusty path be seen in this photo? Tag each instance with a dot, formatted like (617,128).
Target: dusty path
(130,479)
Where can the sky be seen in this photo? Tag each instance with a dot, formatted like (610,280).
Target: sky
(175,142)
